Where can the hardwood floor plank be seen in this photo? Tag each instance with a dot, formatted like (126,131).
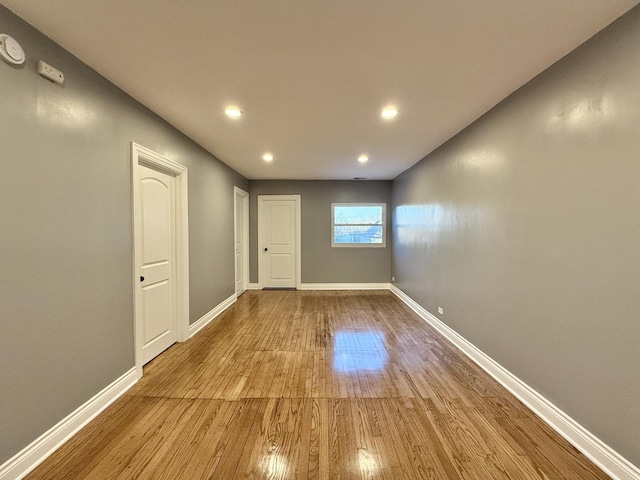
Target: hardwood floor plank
(316,385)
(230,451)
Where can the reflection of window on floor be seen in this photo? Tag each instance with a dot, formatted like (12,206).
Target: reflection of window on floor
(359,351)
(358,225)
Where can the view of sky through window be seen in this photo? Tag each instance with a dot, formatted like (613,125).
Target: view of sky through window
(358,224)
(358,215)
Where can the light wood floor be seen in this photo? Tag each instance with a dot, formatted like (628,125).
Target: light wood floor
(316,385)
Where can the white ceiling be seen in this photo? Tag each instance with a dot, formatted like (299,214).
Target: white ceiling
(312,76)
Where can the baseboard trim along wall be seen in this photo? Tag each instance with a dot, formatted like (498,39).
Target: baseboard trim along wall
(210,315)
(35,453)
(591,446)
(334,286)
(344,286)
(595,449)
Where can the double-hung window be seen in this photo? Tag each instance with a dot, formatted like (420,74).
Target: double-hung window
(358,225)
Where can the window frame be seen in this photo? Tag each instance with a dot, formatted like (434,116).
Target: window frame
(359,245)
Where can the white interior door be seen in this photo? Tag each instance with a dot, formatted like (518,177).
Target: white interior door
(279,223)
(157,251)
(241,239)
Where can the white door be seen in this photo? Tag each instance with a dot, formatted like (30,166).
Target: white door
(279,223)
(241,235)
(157,251)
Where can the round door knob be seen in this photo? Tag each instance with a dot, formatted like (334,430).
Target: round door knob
(141,278)
(265,249)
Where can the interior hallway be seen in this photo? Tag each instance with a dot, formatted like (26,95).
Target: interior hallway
(327,385)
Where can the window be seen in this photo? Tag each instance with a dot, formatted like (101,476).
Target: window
(358,224)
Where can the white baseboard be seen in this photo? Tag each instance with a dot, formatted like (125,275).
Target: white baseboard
(210,315)
(595,449)
(34,454)
(344,286)
(333,286)
(31,456)
(591,446)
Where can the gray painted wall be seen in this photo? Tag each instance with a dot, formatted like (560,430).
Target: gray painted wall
(65,234)
(525,227)
(320,262)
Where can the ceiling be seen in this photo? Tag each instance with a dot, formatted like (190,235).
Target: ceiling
(312,77)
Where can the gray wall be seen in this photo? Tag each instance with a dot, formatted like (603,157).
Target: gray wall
(66,330)
(525,227)
(320,262)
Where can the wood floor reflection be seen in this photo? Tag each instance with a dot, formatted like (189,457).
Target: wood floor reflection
(316,385)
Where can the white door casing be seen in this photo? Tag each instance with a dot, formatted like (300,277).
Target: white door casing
(241,234)
(161,258)
(279,259)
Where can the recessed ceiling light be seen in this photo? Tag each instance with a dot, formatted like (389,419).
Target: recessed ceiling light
(267,157)
(363,159)
(233,112)
(389,112)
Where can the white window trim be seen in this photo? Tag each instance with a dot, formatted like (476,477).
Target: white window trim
(360,245)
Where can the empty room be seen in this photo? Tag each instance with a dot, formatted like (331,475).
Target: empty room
(319,240)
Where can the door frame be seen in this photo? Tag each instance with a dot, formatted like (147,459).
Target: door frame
(143,156)
(266,198)
(245,237)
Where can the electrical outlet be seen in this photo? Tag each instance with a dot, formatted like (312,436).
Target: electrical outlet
(441,310)
(53,74)
(393,279)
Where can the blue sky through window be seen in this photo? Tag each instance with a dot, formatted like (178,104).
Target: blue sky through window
(358,215)
(358,224)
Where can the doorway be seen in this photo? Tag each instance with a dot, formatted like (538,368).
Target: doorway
(161,255)
(279,258)
(241,234)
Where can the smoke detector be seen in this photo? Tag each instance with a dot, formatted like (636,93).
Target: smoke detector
(10,50)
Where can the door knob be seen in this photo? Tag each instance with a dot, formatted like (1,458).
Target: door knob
(265,249)
(141,278)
